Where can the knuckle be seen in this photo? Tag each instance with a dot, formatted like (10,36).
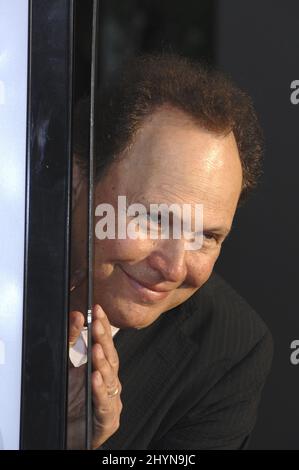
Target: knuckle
(100,360)
(96,348)
(104,410)
(115,361)
(112,384)
(115,423)
(104,367)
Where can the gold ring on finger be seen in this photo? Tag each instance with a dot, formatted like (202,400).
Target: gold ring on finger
(115,392)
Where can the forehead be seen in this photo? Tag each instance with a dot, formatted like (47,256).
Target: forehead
(173,160)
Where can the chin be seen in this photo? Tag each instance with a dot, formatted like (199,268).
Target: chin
(130,316)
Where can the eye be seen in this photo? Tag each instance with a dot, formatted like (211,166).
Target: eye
(210,237)
(152,218)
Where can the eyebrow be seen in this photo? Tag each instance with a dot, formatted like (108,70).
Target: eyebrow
(224,231)
(219,230)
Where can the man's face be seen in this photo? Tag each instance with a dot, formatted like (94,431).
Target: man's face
(170,161)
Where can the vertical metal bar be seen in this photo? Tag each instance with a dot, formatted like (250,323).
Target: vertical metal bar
(45,335)
(69,181)
(93,82)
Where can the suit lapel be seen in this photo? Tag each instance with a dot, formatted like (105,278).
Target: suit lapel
(150,359)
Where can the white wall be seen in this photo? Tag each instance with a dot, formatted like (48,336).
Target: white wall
(13,97)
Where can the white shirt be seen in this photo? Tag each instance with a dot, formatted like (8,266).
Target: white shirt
(78,352)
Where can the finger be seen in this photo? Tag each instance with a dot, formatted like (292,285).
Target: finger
(102,337)
(101,364)
(76,323)
(99,314)
(103,405)
(106,411)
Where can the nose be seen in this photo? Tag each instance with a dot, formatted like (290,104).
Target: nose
(169,260)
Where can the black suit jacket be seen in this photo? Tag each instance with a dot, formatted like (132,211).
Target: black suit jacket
(193,378)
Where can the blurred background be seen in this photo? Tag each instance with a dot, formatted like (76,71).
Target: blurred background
(256,43)
(131,27)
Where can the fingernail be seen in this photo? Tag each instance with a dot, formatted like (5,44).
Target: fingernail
(100,311)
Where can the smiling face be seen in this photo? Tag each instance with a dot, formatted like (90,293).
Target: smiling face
(171,160)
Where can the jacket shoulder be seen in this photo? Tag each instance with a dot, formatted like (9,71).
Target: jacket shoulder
(220,321)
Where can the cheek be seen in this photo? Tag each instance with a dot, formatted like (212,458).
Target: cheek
(112,251)
(201,268)
(206,271)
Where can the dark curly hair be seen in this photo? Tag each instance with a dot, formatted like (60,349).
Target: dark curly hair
(149,81)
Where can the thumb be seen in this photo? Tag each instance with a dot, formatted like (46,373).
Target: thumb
(76,323)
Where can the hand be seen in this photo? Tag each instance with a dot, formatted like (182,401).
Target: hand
(105,381)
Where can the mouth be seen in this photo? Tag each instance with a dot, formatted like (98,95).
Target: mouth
(145,293)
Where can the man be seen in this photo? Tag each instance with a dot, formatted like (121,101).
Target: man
(187,366)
